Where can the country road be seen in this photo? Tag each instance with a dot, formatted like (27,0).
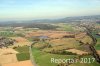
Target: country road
(31,55)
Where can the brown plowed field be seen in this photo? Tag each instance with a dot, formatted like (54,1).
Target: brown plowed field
(22,63)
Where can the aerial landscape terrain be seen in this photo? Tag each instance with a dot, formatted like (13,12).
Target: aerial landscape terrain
(49,32)
(38,43)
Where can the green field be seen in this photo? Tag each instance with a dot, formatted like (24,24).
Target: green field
(97,46)
(65,27)
(7,34)
(23,56)
(44,59)
(23,53)
(10,34)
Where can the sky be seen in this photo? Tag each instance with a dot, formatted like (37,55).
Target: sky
(44,9)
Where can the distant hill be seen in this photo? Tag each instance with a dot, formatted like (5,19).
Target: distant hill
(94,18)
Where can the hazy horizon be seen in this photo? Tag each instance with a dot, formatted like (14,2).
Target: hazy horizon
(44,9)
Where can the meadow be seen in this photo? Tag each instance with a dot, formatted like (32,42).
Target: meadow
(44,59)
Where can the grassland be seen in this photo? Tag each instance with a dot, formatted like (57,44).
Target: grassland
(44,59)
(65,27)
(98,44)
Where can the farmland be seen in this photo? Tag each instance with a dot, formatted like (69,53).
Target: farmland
(23,53)
(49,33)
(62,45)
(39,56)
(63,42)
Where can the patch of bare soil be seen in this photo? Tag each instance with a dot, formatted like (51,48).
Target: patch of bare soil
(22,63)
(20,41)
(98,51)
(7,51)
(50,34)
(7,55)
(79,52)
